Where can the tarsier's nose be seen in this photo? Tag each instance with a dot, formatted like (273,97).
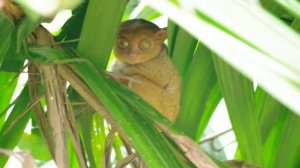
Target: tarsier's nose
(134,55)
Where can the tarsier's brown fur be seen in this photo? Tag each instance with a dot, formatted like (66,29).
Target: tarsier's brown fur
(142,56)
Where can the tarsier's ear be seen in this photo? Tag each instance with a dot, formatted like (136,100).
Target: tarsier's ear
(161,34)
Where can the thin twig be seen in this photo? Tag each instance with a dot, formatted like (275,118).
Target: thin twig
(72,129)
(38,109)
(29,107)
(109,141)
(18,74)
(218,149)
(81,110)
(89,96)
(8,107)
(66,42)
(214,136)
(78,103)
(128,147)
(126,161)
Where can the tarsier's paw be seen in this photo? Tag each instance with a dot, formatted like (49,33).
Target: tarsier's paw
(135,80)
(118,76)
(115,75)
(128,80)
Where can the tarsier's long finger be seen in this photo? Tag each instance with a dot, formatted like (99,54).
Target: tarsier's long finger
(118,76)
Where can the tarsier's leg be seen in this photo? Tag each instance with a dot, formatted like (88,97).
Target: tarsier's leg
(158,97)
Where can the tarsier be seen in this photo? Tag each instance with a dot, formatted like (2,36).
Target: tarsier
(142,57)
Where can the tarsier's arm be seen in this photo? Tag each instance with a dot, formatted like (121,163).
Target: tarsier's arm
(124,79)
(158,97)
(164,100)
(157,80)
(158,72)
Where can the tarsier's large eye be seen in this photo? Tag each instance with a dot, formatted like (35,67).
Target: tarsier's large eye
(144,44)
(123,43)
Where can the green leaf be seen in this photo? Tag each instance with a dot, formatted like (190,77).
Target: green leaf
(8,82)
(97,35)
(272,116)
(71,29)
(270,112)
(276,10)
(240,102)
(130,7)
(73,159)
(278,127)
(212,102)
(98,138)
(172,33)
(6,31)
(86,125)
(183,46)
(296,25)
(293,6)
(118,145)
(148,13)
(197,91)
(36,145)
(288,152)
(48,55)
(7,66)
(24,29)
(13,128)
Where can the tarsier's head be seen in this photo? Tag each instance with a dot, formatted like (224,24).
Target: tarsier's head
(139,41)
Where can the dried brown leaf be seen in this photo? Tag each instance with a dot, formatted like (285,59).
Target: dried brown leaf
(26,160)
(56,111)
(239,164)
(192,150)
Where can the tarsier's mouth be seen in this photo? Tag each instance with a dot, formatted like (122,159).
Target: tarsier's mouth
(133,56)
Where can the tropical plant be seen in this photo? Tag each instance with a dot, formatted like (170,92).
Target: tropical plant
(245,52)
